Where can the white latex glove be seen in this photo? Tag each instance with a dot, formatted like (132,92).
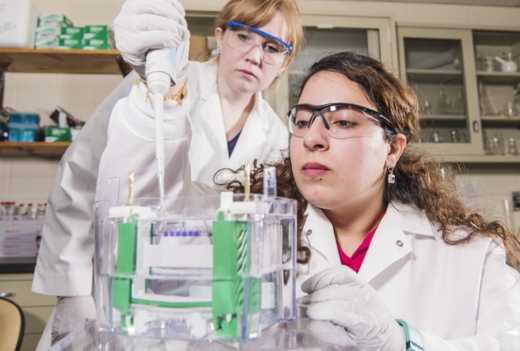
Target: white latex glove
(338,295)
(143,25)
(71,312)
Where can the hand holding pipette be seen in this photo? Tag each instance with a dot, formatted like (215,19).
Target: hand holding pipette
(144,25)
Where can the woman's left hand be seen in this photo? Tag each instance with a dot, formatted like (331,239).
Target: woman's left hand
(340,296)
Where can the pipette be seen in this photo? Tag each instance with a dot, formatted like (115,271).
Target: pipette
(160,76)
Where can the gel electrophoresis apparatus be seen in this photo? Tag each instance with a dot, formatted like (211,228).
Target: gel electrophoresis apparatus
(203,268)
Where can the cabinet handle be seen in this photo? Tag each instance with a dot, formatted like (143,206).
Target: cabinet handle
(7,294)
(476,127)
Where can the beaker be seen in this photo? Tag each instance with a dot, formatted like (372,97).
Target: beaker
(509,111)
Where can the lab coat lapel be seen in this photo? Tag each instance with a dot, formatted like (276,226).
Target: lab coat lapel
(253,134)
(321,241)
(210,112)
(390,243)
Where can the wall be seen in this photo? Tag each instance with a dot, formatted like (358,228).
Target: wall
(29,179)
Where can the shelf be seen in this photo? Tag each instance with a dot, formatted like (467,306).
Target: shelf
(435,76)
(445,117)
(499,77)
(484,159)
(40,149)
(500,121)
(62,61)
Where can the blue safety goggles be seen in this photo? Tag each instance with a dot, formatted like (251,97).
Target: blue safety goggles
(260,32)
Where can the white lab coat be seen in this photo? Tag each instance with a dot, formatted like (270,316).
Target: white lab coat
(64,266)
(459,293)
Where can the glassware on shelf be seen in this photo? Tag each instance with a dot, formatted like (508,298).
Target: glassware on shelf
(485,105)
(509,111)
(487,143)
(512,149)
(489,63)
(509,65)
(455,136)
(516,98)
(427,107)
(497,144)
(442,103)
(436,137)
(459,107)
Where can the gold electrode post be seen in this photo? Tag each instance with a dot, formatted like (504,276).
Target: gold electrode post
(131,179)
(247,181)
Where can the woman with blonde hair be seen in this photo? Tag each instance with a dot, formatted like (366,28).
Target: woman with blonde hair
(230,121)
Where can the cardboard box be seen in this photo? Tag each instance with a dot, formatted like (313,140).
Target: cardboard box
(23,117)
(56,134)
(18,20)
(23,132)
(54,19)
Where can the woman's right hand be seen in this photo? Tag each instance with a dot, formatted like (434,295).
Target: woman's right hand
(143,25)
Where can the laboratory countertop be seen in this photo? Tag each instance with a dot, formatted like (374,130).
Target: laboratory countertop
(301,334)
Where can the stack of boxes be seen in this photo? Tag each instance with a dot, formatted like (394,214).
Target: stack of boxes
(56,31)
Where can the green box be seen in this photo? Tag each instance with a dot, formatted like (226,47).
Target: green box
(72,31)
(55,19)
(96,29)
(73,36)
(55,134)
(97,44)
(65,43)
(48,30)
(49,43)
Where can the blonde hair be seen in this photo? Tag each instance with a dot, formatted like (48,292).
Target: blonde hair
(255,13)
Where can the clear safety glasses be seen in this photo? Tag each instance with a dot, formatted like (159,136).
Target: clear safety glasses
(274,51)
(342,120)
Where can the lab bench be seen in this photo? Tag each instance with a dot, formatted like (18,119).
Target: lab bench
(301,334)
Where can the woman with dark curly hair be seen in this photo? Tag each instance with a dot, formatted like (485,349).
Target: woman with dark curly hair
(386,245)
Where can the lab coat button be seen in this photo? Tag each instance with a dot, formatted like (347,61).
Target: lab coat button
(399,243)
(309,232)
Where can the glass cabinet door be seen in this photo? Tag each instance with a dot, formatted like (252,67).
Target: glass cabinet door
(325,34)
(439,65)
(497,56)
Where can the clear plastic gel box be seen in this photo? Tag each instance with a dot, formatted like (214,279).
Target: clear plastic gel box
(201,268)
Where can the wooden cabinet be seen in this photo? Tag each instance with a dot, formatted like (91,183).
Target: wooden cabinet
(464,115)
(36,307)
